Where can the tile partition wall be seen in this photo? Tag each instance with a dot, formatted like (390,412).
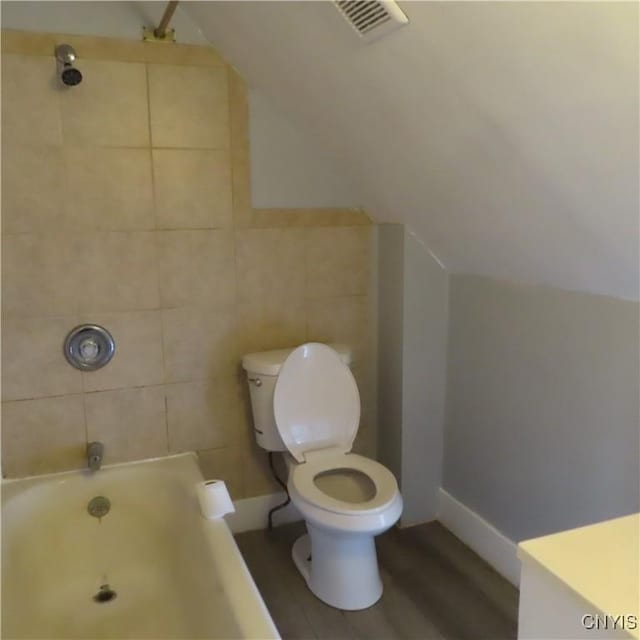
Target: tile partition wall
(126,203)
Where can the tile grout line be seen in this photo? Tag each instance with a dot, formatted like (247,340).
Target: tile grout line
(235,230)
(157,244)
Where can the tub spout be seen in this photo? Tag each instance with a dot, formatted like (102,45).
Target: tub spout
(95,453)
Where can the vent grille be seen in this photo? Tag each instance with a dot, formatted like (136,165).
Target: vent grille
(372,18)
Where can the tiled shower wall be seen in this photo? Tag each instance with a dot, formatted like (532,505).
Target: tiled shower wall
(126,203)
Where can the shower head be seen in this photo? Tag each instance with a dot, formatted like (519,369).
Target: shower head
(66,56)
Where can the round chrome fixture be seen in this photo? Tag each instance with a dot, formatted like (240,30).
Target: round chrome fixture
(89,347)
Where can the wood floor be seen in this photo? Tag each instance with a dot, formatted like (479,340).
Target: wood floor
(434,587)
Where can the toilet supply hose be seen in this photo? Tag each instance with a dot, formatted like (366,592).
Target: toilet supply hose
(284,487)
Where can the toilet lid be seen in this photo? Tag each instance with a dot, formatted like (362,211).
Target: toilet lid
(316,401)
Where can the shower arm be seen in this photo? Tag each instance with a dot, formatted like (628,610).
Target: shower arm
(161,31)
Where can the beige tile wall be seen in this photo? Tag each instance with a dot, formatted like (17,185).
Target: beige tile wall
(126,203)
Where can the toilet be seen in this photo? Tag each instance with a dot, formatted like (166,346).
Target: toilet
(305,403)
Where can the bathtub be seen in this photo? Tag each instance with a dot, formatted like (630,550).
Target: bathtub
(153,567)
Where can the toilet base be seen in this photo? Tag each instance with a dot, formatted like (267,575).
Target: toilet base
(343,570)
(301,554)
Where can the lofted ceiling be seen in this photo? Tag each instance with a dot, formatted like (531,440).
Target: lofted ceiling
(505,135)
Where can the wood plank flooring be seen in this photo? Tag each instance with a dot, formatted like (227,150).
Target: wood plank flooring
(435,588)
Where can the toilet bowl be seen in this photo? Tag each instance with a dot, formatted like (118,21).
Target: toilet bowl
(346,499)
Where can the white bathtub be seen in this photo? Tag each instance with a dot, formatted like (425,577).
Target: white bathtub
(175,574)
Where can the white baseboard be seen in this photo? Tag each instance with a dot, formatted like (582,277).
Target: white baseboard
(491,545)
(252,513)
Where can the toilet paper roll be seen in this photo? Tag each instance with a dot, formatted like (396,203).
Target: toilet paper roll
(214,499)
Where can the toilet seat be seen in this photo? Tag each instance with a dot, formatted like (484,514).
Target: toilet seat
(303,475)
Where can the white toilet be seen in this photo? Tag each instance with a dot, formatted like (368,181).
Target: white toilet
(306,401)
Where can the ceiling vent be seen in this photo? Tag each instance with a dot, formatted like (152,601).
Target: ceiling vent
(372,18)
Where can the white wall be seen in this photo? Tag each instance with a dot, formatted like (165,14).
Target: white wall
(289,167)
(412,339)
(426,312)
(542,428)
(505,134)
(390,345)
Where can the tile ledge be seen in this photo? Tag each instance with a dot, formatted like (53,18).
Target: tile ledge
(42,43)
(308,217)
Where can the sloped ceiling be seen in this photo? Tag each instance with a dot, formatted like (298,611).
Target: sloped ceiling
(505,135)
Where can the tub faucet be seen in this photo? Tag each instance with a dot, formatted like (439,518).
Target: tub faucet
(95,452)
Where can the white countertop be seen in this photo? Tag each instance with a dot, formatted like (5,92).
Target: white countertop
(599,562)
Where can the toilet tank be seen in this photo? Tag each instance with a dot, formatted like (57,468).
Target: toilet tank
(262,372)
